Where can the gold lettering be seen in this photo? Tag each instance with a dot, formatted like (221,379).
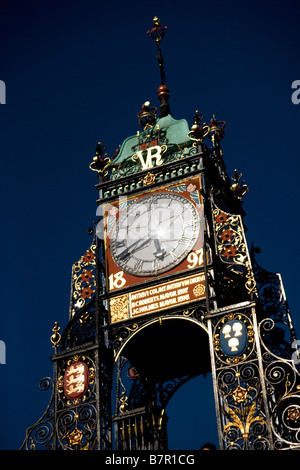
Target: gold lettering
(150,153)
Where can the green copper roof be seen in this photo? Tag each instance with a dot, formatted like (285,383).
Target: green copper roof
(176,133)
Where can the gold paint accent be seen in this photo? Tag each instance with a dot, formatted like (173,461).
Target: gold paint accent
(56,337)
(124,403)
(83,281)
(188,313)
(119,308)
(75,437)
(148,179)
(242,419)
(199,290)
(60,384)
(134,327)
(293,414)
(32,445)
(240,394)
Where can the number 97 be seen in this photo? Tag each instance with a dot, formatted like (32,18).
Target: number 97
(195,258)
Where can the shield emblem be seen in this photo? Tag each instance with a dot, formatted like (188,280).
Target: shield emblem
(76,380)
(233,338)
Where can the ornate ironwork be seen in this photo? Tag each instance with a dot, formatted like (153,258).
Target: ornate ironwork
(81,329)
(240,386)
(253,360)
(83,281)
(77,415)
(239,189)
(140,418)
(278,332)
(231,245)
(41,435)
(280,358)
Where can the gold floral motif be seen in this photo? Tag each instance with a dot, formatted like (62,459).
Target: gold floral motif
(240,394)
(232,246)
(83,280)
(293,414)
(75,437)
(148,179)
(199,290)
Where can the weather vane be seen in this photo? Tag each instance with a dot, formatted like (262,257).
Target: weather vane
(157,33)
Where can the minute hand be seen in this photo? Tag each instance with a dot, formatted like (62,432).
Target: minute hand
(136,246)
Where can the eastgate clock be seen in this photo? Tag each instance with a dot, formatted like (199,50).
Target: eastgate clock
(154,234)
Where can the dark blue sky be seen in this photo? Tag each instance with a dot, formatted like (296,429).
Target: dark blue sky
(78,72)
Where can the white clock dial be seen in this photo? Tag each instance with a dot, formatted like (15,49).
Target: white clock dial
(155,234)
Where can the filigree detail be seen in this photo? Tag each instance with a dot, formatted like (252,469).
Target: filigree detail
(276,329)
(243,419)
(83,280)
(244,424)
(119,308)
(76,428)
(231,245)
(40,436)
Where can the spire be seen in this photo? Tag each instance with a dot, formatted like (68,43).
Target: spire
(157,33)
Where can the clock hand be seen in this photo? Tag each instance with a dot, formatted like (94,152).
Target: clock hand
(160,253)
(134,247)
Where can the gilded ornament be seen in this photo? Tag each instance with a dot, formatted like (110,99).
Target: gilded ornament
(232,247)
(239,189)
(293,414)
(75,437)
(240,394)
(119,308)
(124,404)
(83,280)
(56,337)
(148,179)
(242,419)
(199,290)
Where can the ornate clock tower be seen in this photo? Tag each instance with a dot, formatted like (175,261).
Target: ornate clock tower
(169,290)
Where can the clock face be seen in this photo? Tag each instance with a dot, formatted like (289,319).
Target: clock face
(154,234)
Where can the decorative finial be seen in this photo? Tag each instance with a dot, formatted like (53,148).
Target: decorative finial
(100,162)
(216,130)
(157,33)
(56,337)
(239,189)
(198,131)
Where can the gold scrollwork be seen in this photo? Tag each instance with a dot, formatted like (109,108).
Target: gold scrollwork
(232,246)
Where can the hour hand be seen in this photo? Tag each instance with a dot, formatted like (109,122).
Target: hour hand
(159,253)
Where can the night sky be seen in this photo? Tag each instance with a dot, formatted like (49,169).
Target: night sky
(77,73)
